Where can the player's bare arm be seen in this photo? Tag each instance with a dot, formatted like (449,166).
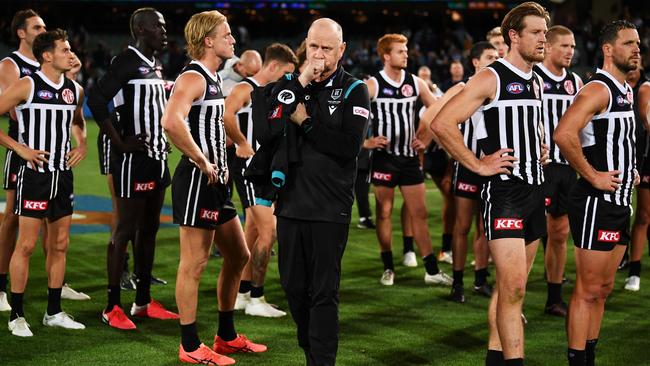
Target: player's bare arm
(236,100)
(431,112)
(78,153)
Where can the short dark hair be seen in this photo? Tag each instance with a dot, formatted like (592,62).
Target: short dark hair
(19,21)
(515,18)
(281,53)
(556,31)
(46,42)
(477,50)
(135,15)
(609,33)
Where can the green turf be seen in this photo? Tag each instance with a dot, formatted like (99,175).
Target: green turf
(407,324)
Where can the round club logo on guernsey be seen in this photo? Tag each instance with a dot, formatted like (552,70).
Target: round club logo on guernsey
(286,96)
(45,94)
(568,86)
(68,96)
(407,90)
(515,88)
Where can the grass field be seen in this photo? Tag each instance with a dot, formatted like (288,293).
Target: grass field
(407,324)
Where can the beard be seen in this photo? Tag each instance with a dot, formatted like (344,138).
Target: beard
(533,56)
(626,66)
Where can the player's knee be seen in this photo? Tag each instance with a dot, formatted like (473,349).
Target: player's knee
(513,289)
(591,293)
(642,217)
(25,249)
(462,226)
(606,289)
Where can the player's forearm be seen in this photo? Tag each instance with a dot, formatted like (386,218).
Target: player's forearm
(79,133)
(180,136)
(8,142)
(451,140)
(232,130)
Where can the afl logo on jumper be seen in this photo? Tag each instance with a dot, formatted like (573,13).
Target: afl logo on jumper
(67,95)
(25,71)
(547,85)
(143,70)
(407,90)
(388,91)
(515,88)
(568,86)
(45,94)
(286,96)
(212,90)
(621,101)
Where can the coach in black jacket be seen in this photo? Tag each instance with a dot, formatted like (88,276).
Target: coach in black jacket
(314,207)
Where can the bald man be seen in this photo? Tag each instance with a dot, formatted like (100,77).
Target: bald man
(237,69)
(332,115)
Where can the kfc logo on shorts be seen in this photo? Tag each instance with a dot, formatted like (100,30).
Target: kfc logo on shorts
(382,176)
(508,224)
(407,90)
(465,187)
(67,95)
(609,236)
(568,86)
(209,215)
(547,201)
(35,205)
(144,187)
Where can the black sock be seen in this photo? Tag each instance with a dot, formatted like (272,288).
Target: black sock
(480,276)
(142,290)
(226,330)
(576,357)
(257,292)
(458,278)
(53,301)
(113,297)
(446,242)
(190,337)
(635,268)
(244,286)
(494,358)
(408,244)
(16,305)
(514,362)
(431,264)
(590,352)
(387,258)
(554,293)
(3,282)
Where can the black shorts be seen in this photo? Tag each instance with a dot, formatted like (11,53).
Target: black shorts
(597,224)
(645,174)
(104,154)
(391,171)
(13,162)
(436,162)
(136,175)
(197,204)
(44,195)
(245,189)
(467,184)
(559,180)
(513,209)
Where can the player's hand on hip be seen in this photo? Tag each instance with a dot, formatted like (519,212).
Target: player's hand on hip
(606,181)
(244,151)
(418,145)
(35,158)
(208,169)
(637,177)
(133,143)
(544,159)
(496,163)
(75,156)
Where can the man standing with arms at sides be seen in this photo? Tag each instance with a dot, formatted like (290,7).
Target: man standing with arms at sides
(202,207)
(49,110)
(560,87)
(467,187)
(394,92)
(140,172)
(260,230)
(312,235)
(495,37)
(513,199)
(596,136)
(641,88)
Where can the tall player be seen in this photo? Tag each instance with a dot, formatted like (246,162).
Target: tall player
(194,121)
(260,222)
(510,94)
(597,136)
(140,172)
(49,110)
(467,187)
(393,92)
(641,89)
(560,87)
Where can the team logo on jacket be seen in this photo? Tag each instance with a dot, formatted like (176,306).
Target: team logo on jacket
(407,90)
(144,187)
(276,113)
(143,70)
(336,93)
(209,215)
(515,88)
(286,96)
(67,95)
(212,89)
(568,87)
(609,236)
(45,94)
(25,71)
(508,224)
(388,91)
